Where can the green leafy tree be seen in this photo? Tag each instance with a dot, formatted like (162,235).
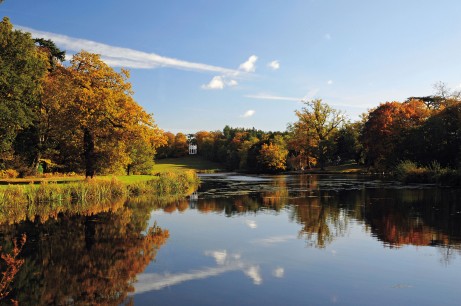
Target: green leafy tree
(22,69)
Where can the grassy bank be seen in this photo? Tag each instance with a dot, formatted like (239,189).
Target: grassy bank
(98,190)
(409,172)
(193,162)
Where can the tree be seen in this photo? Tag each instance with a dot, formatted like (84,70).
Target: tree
(181,147)
(386,132)
(55,55)
(347,142)
(167,149)
(33,142)
(272,157)
(22,69)
(104,113)
(315,128)
(439,138)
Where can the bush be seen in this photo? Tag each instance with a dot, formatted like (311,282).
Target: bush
(409,172)
(9,173)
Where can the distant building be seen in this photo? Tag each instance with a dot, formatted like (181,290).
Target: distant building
(192,144)
(192,149)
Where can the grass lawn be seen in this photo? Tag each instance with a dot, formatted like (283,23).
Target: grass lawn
(196,163)
(164,165)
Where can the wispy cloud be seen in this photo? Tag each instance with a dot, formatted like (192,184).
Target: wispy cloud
(232,83)
(329,82)
(248,113)
(327,36)
(249,65)
(262,96)
(311,94)
(125,57)
(274,65)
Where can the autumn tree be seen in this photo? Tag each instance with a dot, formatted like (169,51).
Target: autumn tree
(181,146)
(385,134)
(22,68)
(272,157)
(104,113)
(314,131)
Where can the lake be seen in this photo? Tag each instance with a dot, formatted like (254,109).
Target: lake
(253,240)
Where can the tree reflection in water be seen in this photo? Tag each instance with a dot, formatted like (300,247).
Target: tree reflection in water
(84,259)
(324,208)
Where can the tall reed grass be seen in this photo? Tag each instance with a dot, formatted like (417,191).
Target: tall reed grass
(21,202)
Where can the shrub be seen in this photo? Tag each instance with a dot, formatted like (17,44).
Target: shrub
(9,173)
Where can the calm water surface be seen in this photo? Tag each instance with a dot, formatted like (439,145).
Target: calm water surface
(307,240)
(247,240)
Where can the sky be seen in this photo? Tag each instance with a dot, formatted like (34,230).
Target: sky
(203,64)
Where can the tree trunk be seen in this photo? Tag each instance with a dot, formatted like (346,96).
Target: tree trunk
(88,147)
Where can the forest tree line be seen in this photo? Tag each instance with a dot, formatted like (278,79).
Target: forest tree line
(78,118)
(425,131)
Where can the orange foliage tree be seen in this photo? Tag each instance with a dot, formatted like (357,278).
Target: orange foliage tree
(386,131)
(104,116)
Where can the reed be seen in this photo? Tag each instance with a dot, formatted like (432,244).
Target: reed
(20,202)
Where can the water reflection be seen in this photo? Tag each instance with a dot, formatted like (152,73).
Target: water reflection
(239,228)
(84,259)
(324,206)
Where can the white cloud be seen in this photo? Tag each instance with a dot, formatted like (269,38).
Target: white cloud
(232,83)
(125,57)
(215,83)
(219,82)
(262,96)
(248,114)
(249,65)
(274,65)
(329,82)
(278,272)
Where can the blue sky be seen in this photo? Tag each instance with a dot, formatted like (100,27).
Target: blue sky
(199,65)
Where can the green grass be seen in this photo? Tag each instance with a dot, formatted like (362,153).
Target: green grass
(196,163)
